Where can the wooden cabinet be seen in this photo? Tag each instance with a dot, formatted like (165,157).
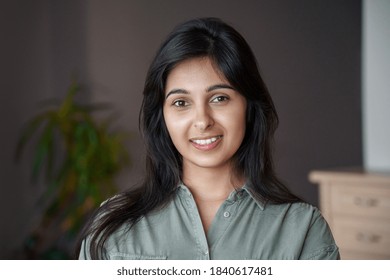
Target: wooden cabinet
(356,205)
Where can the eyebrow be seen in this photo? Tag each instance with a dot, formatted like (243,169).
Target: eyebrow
(209,89)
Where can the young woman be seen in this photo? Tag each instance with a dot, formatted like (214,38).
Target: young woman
(210,191)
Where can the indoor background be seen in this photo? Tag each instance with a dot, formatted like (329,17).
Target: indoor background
(310,53)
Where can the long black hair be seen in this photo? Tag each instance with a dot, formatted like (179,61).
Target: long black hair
(230,53)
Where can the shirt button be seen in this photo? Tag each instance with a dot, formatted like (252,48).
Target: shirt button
(206,252)
(226,214)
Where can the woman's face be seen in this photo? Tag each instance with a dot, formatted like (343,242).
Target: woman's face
(204,114)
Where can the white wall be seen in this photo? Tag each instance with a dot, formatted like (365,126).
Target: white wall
(376,84)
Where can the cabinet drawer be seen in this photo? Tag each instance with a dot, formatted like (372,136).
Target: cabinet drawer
(352,255)
(362,235)
(364,201)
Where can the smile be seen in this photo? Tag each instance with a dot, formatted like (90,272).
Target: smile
(206,144)
(206,141)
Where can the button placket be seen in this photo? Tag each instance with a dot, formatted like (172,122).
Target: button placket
(197,227)
(223,220)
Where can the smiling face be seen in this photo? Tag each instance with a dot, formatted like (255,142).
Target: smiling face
(204,114)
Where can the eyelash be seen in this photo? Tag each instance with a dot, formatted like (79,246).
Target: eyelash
(216,99)
(225,98)
(176,103)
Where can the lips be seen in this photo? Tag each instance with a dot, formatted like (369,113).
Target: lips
(206,144)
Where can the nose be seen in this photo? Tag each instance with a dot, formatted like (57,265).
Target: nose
(203,119)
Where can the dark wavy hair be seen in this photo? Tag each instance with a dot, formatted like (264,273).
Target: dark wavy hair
(230,53)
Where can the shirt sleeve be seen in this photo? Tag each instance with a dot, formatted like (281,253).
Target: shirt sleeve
(319,242)
(84,251)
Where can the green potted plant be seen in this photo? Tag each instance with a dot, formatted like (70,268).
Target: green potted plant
(80,157)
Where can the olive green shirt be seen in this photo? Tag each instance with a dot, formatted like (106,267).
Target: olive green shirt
(243,228)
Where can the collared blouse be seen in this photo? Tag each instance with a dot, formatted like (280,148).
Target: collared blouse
(243,228)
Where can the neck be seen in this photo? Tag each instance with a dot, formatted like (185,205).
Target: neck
(210,184)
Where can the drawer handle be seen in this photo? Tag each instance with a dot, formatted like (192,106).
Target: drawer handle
(368,238)
(365,202)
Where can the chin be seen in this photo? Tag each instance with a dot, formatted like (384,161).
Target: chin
(208,163)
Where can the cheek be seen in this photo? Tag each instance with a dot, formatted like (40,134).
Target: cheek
(168,123)
(239,128)
(235,122)
(175,125)
(241,119)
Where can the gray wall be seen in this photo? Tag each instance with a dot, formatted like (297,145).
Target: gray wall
(376,84)
(308,52)
(24,80)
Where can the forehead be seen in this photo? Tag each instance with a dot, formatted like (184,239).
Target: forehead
(193,72)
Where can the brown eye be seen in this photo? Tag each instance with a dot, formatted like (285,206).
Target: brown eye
(220,99)
(179,103)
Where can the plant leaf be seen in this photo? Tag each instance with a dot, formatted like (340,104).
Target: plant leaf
(28,131)
(43,147)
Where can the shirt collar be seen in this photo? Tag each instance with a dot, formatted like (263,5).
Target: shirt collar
(261,204)
(184,188)
(234,195)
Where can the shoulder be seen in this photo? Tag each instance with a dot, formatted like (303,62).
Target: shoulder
(306,220)
(294,212)
(300,216)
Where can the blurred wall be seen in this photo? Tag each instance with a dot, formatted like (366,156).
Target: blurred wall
(24,80)
(308,52)
(376,84)
(42,47)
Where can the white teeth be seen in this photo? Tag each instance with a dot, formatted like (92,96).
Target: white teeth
(205,141)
